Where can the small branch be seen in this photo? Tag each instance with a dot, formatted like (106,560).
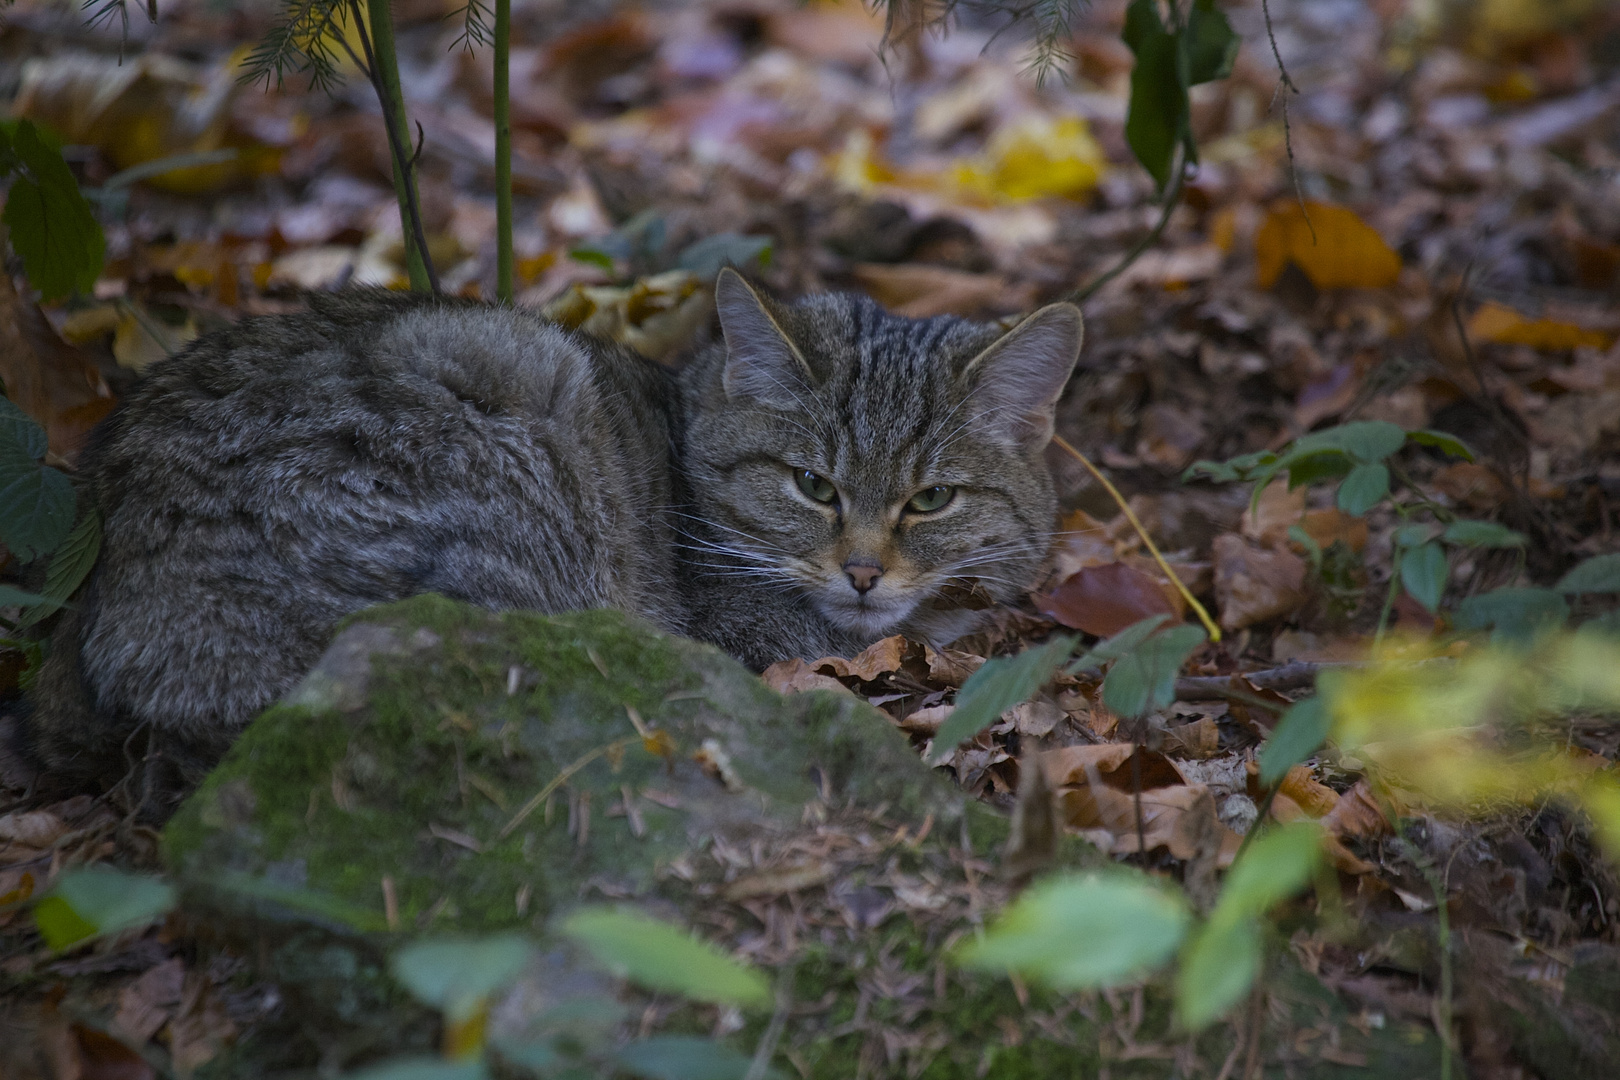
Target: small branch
(1294,675)
(1171,201)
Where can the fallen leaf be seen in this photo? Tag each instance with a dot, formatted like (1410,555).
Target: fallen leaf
(1111,764)
(1356,814)
(781,880)
(1332,524)
(1033,157)
(794,676)
(1103,600)
(1335,248)
(919,291)
(146,1004)
(32,828)
(1496,324)
(1252,584)
(1277,510)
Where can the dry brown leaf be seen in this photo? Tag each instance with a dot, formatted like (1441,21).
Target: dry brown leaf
(1277,511)
(1253,585)
(1331,524)
(950,667)
(1111,763)
(919,291)
(1475,485)
(32,828)
(1356,814)
(792,676)
(878,658)
(146,1004)
(1199,739)
(201,1029)
(780,880)
(1103,600)
(1312,796)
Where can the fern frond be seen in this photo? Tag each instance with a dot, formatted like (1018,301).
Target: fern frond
(477,26)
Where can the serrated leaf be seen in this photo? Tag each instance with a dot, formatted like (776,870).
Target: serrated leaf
(1513,614)
(1144,678)
(1424,571)
(51,225)
(1442,441)
(92,901)
(36,506)
(1211,45)
(18,430)
(1365,440)
(1314,466)
(1083,931)
(1363,489)
(1599,574)
(458,976)
(1156,120)
(1121,643)
(1299,734)
(683,1057)
(69,567)
(1217,968)
(998,685)
(1482,534)
(659,956)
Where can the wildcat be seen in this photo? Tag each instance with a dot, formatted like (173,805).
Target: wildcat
(817,479)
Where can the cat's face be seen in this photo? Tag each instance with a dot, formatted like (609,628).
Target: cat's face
(877,465)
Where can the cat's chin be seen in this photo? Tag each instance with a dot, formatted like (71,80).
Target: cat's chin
(867,621)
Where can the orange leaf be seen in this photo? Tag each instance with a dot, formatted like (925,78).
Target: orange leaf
(1104,600)
(1496,324)
(1335,248)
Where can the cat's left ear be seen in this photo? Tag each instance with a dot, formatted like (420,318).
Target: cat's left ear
(762,363)
(1015,383)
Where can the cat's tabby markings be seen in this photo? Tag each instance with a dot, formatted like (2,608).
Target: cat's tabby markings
(822,478)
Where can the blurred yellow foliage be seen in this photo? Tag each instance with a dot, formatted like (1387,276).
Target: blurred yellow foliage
(1497,324)
(1458,733)
(1335,248)
(1034,157)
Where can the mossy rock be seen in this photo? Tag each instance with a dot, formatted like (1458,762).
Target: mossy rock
(412,751)
(800,833)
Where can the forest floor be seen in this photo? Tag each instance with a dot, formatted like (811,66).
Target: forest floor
(1419,223)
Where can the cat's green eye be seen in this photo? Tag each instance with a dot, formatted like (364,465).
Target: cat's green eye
(816,486)
(930,499)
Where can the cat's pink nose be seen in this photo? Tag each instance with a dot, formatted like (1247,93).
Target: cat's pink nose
(863,575)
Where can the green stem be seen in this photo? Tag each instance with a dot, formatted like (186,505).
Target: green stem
(503,151)
(1172,198)
(1389,597)
(385,79)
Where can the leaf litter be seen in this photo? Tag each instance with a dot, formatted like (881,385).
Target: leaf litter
(1424,243)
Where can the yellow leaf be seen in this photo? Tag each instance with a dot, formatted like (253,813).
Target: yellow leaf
(1335,248)
(1034,157)
(1500,325)
(858,166)
(1601,798)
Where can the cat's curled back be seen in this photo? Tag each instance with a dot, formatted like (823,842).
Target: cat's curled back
(821,478)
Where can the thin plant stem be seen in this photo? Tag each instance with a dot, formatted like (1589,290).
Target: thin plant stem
(503,151)
(1389,597)
(1186,594)
(1172,199)
(383,68)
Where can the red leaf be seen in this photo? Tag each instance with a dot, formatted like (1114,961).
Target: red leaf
(1103,600)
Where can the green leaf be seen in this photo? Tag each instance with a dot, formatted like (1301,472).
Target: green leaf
(683,1057)
(1299,734)
(1365,440)
(298,900)
(1313,466)
(1144,679)
(1217,968)
(1121,643)
(91,901)
(1599,574)
(1442,441)
(69,567)
(1083,931)
(18,430)
(664,957)
(1514,614)
(1482,534)
(423,1068)
(998,685)
(1424,571)
(1363,489)
(1211,45)
(51,224)
(14,597)
(36,505)
(458,976)
(707,257)
(1156,121)
(592,257)
(1277,864)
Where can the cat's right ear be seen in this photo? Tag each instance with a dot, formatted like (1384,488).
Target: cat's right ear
(762,364)
(1016,382)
